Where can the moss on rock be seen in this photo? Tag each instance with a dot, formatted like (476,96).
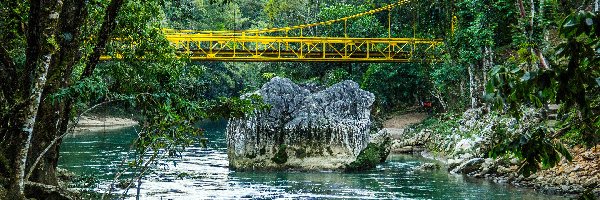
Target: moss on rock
(368,158)
(375,153)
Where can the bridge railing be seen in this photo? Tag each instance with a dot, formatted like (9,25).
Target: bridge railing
(302,49)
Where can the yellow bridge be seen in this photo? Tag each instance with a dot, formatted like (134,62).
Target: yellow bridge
(290,45)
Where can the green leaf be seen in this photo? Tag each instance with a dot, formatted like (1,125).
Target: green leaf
(598,81)
(489,87)
(563,151)
(526,77)
(515,70)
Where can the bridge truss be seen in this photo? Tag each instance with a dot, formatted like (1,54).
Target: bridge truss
(278,45)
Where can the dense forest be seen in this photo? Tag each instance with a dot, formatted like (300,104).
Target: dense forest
(501,56)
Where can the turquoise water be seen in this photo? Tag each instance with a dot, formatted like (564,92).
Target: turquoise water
(202,173)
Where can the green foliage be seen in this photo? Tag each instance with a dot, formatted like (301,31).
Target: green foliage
(367,159)
(533,147)
(567,78)
(479,26)
(395,85)
(285,12)
(443,125)
(571,82)
(12,15)
(281,156)
(448,81)
(165,92)
(336,76)
(578,78)
(367,26)
(513,87)
(576,134)
(89,89)
(235,107)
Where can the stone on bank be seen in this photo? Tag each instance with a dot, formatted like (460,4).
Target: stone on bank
(303,130)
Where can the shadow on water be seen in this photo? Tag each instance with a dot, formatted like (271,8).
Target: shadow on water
(203,173)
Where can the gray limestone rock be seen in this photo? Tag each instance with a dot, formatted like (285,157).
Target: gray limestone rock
(469,166)
(313,130)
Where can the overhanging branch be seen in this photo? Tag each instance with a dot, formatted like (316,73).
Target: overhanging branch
(106,30)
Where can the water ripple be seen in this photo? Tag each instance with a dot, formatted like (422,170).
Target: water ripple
(203,173)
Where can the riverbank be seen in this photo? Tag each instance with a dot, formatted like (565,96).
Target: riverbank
(97,123)
(463,143)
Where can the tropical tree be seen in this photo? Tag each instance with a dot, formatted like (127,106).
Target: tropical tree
(51,37)
(53,72)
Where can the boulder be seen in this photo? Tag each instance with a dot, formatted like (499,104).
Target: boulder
(427,167)
(453,163)
(469,166)
(464,146)
(376,152)
(383,139)
(303,129)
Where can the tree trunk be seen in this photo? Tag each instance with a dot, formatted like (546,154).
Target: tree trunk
(52,119)
(532,9)
(43,18)
(55,116)
(535,50)
(438,95)
(488,65)
(472,86)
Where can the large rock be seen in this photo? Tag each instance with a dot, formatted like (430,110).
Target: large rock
(376,152)
(302,129)
(471,165)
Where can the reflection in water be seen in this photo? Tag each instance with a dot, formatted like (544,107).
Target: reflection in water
(203,173)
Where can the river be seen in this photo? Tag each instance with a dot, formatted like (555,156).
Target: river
(203,173)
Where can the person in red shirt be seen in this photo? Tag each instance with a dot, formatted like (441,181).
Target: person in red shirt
(427,106)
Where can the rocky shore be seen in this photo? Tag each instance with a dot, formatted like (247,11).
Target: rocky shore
(464,150)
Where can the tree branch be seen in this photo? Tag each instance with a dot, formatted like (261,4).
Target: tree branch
(70,130)
(521,8)
(105,31)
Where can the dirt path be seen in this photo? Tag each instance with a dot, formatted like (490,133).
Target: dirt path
(403,120)
(396,125)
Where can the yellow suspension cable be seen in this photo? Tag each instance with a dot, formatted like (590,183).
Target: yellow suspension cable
(370,12)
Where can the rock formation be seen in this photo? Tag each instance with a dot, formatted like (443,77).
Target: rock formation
(303,130)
